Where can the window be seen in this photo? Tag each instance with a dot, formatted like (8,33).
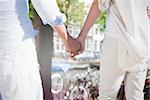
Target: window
(95,45)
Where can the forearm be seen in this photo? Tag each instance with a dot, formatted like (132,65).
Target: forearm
(93,14)
(62,31)
(71,44)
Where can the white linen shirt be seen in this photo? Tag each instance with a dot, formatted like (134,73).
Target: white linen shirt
(19,68)
(14,20)
(135,17)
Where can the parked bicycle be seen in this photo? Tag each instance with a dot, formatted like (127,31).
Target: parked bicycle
(85,87)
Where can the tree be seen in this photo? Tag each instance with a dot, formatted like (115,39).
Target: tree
(102,21)
(75,12)
(31,10)
(73,9)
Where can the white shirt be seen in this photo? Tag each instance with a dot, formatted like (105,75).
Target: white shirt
(15,23)
(135,17)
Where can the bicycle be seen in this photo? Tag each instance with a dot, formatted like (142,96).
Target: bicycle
(84,87)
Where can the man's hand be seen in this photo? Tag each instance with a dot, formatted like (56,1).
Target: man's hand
(73,46)
(77,46)
(82,42)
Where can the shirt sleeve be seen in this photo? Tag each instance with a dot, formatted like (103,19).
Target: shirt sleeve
(48,11)
(103,4)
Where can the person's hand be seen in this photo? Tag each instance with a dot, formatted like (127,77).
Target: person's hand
(82,42)
(73,46)
(76,50)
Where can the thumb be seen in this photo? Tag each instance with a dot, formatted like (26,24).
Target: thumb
(82,49)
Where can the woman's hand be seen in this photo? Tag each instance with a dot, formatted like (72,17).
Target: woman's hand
(82,42)
(77,46)
(73,46)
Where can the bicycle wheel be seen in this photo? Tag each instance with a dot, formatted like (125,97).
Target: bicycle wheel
(78,93)
(57,83)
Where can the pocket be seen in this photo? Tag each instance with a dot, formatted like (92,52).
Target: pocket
(128,57)
(110,43)
(110,48)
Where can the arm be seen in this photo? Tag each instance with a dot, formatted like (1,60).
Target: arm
(71,44)
(91,19)
(93,14)
(49,13)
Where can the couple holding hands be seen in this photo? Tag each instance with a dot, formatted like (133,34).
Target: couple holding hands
(125,49)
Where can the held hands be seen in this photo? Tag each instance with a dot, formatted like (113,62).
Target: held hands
(75,46)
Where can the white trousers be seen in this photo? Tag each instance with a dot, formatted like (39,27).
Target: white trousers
(112,75)
(19,72)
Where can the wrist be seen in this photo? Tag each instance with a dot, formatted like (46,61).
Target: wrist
(61,30)
(81,37)
(66,39)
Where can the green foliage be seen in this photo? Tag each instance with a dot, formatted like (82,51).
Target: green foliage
(102,21)
(31,10)
(75,12)
(73,9)
(64,5)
